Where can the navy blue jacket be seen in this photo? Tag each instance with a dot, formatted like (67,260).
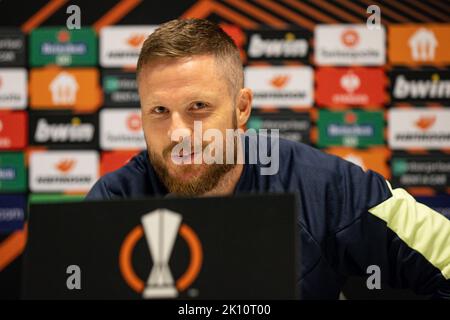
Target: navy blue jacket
(348,220)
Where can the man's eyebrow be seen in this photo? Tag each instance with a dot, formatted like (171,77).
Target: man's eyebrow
(152,103)
(203,96)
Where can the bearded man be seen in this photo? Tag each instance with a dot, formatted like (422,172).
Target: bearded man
(190,71)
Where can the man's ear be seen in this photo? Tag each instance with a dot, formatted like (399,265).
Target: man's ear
(243,106)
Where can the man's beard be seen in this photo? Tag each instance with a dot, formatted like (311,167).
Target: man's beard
(198,185)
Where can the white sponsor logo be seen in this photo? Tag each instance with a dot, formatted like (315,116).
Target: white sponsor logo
(423,45)
(350,82)
(434,88)
(345,45)
(428,171)
(9,48)
(11,214)
(64,46)
(64,132)
(419,128)
(11,44)
(121,129)
(7,174)
(280,86)
(64,88)
(289,47)
(13,88)
(120,45)
(61,171)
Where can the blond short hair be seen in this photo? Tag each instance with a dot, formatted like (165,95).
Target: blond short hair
(191,37)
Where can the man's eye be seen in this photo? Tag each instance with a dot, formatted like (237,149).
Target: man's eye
(199,106)
(159,110)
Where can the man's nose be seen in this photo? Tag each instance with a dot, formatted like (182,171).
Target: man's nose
(179,128)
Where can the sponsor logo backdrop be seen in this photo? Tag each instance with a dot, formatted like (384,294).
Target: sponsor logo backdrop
(69,108)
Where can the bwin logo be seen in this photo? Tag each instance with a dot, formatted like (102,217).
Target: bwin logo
(161,228)
(434,88)
(289,47)
(75,131)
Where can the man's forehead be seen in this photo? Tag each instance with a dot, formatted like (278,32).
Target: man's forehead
(193,75)
(180,66)
(182,95)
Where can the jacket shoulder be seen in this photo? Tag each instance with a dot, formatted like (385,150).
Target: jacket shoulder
(124,182)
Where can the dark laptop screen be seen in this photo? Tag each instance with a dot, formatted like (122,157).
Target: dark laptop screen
(210,248)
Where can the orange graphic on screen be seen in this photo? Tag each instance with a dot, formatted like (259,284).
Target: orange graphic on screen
(279,82)
(56,88)
(350,38)
(113,160)
(419,44)
(65,165)
(134,122)
(355,86)
(13,130)
(136,40)
(374,159)
(425,123)
(159,229)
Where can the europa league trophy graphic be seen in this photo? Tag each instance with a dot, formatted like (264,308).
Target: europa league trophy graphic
(161,229)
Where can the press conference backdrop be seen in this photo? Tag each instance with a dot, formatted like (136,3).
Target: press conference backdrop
(69,109)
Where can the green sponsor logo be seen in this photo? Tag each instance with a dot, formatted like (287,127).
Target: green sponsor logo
(399,167)
(57,45)
(54,198)
(354,128)
(12,172)
(255,123)
(111,84)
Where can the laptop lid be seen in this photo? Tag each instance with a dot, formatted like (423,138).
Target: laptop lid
(241,247)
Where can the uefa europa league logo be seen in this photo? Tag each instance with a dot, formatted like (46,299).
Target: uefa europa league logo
(160,228)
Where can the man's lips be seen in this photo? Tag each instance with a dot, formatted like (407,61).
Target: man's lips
(184,158)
